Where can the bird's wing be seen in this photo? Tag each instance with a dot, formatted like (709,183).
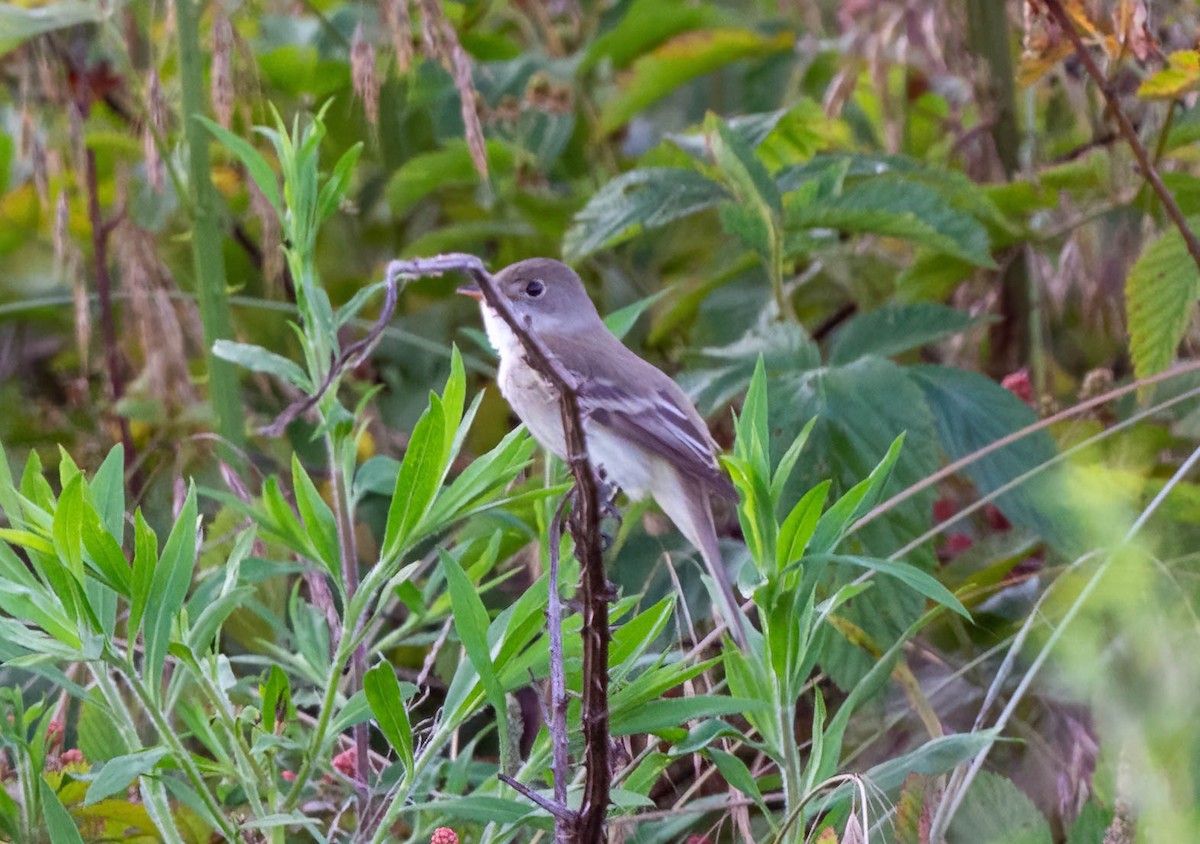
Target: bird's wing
(635,400)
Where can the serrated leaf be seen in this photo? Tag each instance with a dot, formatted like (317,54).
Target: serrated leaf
(1180,76)
(892,329)
(997,812)
(684,57)
(637,200)
(646,24)
(971,412)
(258,359)
(1160,299)
(899,207)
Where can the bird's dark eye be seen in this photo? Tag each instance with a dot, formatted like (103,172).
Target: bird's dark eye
(535,288)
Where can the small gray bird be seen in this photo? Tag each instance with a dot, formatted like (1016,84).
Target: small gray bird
(640,427)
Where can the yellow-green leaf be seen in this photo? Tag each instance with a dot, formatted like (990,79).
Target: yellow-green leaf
(682,58)
(1180,76)
(1160,298)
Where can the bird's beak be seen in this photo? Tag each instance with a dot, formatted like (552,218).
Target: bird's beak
(471,290)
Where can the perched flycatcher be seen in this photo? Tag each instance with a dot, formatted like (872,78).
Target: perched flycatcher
(641,429)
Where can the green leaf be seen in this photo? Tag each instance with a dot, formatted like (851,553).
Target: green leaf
(1180,76)
(145,562)
(418,480)
(736,773)
(995,811)
(910,576)
(936,756)
(797,529)
(1160,297)
(439,170)
(646,24)
(276,695)
(900,207)
(319,523)
(971,412)
(471,624)
(19,23)
(337,184)
(635,201)
(68,527)
(722,372)
(105,557)
(258,359)
(169,587)
(656,715)
(684,57)
(108,491)
(117,774)
(58,821)
(387,705)
(621,322)
(631,639)
(855,503)
(253,160)
(741,169)
(893,329)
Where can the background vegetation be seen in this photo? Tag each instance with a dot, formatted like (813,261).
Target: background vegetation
(274,557)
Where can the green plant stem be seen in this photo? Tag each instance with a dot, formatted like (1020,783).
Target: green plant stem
(207,259)
(348,554)
(248,769)
(157,806)
(324,714)
(169,737)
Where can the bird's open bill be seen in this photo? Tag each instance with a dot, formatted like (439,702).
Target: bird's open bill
(471,290)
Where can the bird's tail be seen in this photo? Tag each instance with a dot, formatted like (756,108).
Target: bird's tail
(691,511)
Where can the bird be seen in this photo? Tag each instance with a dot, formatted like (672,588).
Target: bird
(643,434)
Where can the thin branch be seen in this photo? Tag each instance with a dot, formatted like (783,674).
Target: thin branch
(351,357)
(584,523)
(556,809)
(558,682)
(101,229)
(1127,130)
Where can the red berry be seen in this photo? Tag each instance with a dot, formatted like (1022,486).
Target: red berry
(345,762)
(1019,384)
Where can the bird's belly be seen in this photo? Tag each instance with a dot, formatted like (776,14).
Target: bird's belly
(536,403)
(624,464)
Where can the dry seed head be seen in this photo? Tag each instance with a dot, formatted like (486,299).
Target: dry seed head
(397,20)
(222,69)
(78,145)
(160,331)
(271,241)
(362,74)
(83,309)
(433,32)
(41,170)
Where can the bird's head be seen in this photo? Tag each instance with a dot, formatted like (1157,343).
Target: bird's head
(546,295)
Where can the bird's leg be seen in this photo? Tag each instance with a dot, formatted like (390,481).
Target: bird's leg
(607,493)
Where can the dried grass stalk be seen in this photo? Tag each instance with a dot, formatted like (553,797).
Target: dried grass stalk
(161,333)
(397,20)
(222,68)
(442,43)
(154,128)
(363,77)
